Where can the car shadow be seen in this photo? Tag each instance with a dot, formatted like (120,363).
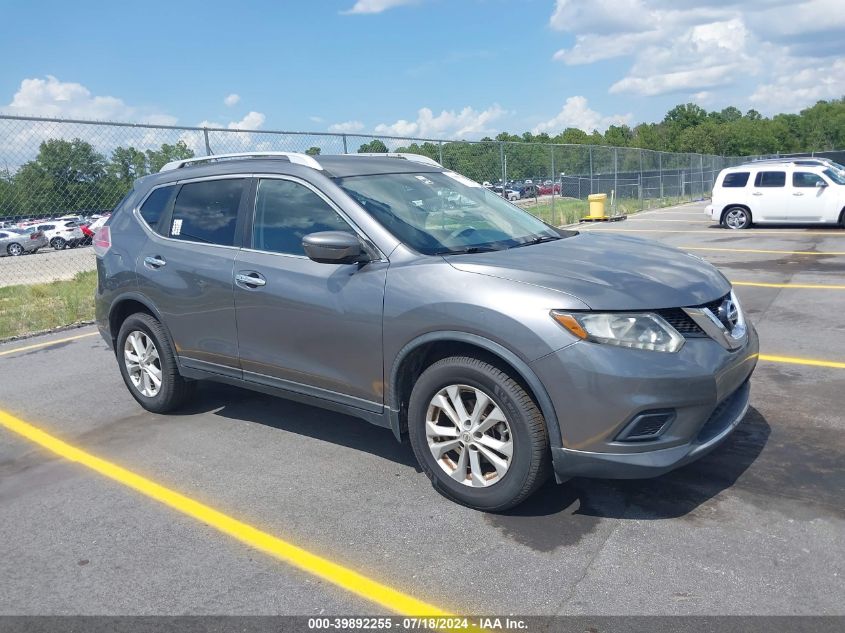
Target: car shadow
(561,515)
(556,515)
(327,426)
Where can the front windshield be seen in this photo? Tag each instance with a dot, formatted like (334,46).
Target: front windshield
(836,176)
(443,212)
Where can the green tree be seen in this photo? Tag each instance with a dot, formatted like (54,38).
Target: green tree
(65,176)
(127,164)
(156,159)
(313,151)
(376,146)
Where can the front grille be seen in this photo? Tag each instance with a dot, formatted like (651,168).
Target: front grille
(681,321)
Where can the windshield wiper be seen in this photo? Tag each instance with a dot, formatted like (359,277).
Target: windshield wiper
(538,239)
(469,250)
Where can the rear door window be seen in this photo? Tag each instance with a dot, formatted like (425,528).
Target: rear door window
(736,179)
(154,206)
(207,211)
(806,179)
(770,179)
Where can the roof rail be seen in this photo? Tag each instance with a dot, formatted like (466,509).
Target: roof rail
(294,157)
(416,158)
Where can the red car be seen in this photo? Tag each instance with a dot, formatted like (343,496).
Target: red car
(547,190)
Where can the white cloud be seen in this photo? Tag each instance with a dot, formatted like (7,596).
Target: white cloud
(731,50)
(232,100)
(346,127)
(577,113)
(796,88)
(50,97)
(316,119)
(468,123)
(376,6)
(251,121)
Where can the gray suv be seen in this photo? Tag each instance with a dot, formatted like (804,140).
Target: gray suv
(392,289)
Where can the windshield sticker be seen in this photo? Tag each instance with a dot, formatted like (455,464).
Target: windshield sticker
(177,227)
(425,180)
(461,179)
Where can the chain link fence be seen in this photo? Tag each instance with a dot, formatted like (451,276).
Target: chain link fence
(57,176)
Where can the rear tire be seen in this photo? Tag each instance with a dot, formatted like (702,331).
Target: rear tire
(491,461)
(143,352)
(58,243)
(737,218)
(14,249)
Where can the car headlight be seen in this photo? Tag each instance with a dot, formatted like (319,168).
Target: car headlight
(636,330)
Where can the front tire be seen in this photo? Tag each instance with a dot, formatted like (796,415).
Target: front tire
(148,365)
(477,434)
(14,249)
(737,218)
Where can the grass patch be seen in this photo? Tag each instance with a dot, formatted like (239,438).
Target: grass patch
(563,211)
(25,309)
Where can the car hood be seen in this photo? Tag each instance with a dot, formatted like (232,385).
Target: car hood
(606,272)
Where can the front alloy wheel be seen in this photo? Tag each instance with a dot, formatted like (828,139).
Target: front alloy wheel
(469,435)
(142,363)
(15,249)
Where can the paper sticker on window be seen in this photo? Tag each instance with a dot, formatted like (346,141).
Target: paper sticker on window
(461,179)
(424,179)
(177,227)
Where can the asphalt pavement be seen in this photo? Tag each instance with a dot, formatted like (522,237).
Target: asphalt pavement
(756,527)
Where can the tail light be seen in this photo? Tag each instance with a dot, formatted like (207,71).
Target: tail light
(102,241)
(36,236)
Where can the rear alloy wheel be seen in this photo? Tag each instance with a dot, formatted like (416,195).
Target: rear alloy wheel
(477,434)
(14,249)
(148,365)
(58,243)
(737,218)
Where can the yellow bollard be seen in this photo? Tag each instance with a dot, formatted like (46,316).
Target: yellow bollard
(597,202)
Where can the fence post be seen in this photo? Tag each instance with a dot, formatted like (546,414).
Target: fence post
(207,144)
(440,150)
(502,164)
(552,148)
(615,180)
(345,151)
(642,198)
(591,168)
(660,173)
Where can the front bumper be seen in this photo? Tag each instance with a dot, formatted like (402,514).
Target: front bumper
(597,390)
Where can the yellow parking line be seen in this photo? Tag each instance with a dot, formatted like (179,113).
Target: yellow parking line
(802,361)
(755,250)
(761,284)
(55,341)
(334,573)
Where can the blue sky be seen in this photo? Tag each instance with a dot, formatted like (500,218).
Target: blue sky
(434,68)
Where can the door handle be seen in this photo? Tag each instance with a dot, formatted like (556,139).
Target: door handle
(798,193)
(253,280)
(154,262)
(757,193)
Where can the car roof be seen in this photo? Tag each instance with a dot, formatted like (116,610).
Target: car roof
(332,166)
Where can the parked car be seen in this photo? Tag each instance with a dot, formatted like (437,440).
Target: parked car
(502,347)
(548,189)
(61,234)
(778,192)
(16,242)
(529,190)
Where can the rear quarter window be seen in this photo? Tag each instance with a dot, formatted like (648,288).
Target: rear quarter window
(154,206)
(735,179)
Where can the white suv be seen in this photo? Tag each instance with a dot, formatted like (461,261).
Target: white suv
(790,192)
(61,233)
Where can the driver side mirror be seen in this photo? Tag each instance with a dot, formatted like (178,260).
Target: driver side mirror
(334,247)
(821,183)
